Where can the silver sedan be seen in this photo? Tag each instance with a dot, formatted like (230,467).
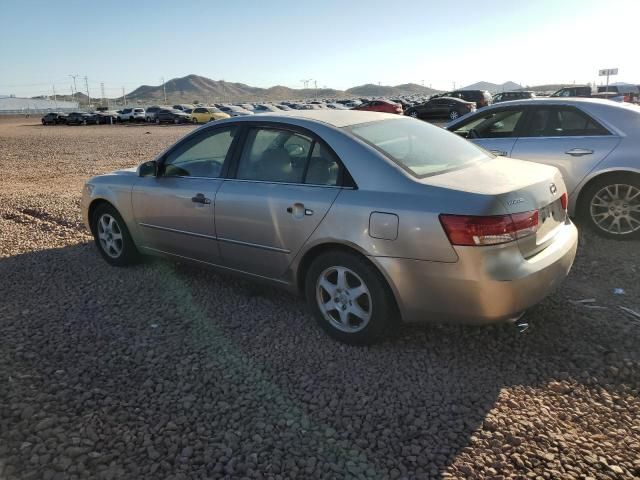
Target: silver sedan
(594,143)
(373,217)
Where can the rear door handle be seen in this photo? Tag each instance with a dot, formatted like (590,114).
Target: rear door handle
(578,152)
(200,198)
(500,153)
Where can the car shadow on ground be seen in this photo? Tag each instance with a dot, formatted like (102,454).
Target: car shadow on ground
(167,369)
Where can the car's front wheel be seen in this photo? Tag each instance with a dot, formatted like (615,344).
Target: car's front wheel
(349,298)
(611,206)
(413,114)
(112,237)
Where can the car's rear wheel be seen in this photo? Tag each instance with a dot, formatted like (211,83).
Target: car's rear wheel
(84,122)
(611,206)
(453,114)
(43,122)
(112,237)
(158,121)
(176,121)
(349,298)
(194,120)
(413,114)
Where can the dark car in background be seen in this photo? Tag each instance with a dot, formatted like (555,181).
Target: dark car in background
(106,117)
(574,91)
(507,96)
(384,106)
(441,107)
(482,98)
(151,113)
(170,115)
(81,118)
(54,118)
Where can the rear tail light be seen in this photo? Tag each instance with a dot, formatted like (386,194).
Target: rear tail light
(473,230)
(564,201)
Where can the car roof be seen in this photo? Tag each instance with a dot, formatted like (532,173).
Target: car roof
(336,118)
(558,101)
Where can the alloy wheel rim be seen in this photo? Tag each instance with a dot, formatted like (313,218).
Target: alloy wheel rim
(453,115)
(616,209)
(110,236)
(414,115)
(344,299)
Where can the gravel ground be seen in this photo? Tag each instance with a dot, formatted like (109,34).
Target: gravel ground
(169,371)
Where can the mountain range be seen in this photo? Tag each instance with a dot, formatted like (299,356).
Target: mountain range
(195,89)
(493,87)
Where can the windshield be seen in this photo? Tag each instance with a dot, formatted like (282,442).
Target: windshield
(417,146)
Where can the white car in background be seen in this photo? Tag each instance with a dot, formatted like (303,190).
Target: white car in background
(131,115)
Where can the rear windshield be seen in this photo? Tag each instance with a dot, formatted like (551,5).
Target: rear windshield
(418,147)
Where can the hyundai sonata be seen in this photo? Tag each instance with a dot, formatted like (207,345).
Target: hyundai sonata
(372,217)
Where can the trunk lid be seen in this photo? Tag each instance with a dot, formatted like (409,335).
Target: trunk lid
(519,186)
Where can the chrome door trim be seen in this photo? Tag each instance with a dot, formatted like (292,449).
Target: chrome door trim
(254,245)
(222,267)
(175,230)
(286,183)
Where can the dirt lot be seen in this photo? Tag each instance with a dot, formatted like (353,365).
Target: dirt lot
(168,371)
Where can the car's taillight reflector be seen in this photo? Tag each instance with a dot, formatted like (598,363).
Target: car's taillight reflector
(564,201)
(473,230)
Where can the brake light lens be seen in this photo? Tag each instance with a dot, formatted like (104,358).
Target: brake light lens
(564,201)
(471,230)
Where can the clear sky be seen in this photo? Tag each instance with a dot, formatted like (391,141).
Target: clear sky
(338,43)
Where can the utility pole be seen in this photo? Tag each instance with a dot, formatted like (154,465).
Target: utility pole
(164,90)
(102,91)
(86,84)
(75,88)
(54,94)
(124,97)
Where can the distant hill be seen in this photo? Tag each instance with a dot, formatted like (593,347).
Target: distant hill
(371,90)
(79,97)
(550,87)
(194,88)
(493,87)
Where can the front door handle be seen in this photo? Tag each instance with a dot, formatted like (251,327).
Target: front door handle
(499,153)
(200,198)
(298,210)
(578,152)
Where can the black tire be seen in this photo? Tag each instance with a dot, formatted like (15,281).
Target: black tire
(413,114)
(128,252)
(453,114)
(380,303)
(158,121)
(586,210)
(44,123)
(84,122)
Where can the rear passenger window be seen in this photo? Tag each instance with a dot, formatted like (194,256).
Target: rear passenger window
(323,167)
(562,122)
(274,156)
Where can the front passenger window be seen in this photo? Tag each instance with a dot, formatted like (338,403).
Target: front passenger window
(500,124)
(203,156)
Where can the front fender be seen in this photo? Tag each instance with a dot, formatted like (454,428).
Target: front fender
(114,189)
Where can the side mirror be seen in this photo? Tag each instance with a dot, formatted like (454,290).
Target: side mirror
(148,169)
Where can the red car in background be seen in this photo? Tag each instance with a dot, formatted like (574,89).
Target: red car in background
(380,106)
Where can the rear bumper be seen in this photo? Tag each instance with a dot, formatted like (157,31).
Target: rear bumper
(486,285)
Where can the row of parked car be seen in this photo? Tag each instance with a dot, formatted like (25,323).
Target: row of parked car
(449,105)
